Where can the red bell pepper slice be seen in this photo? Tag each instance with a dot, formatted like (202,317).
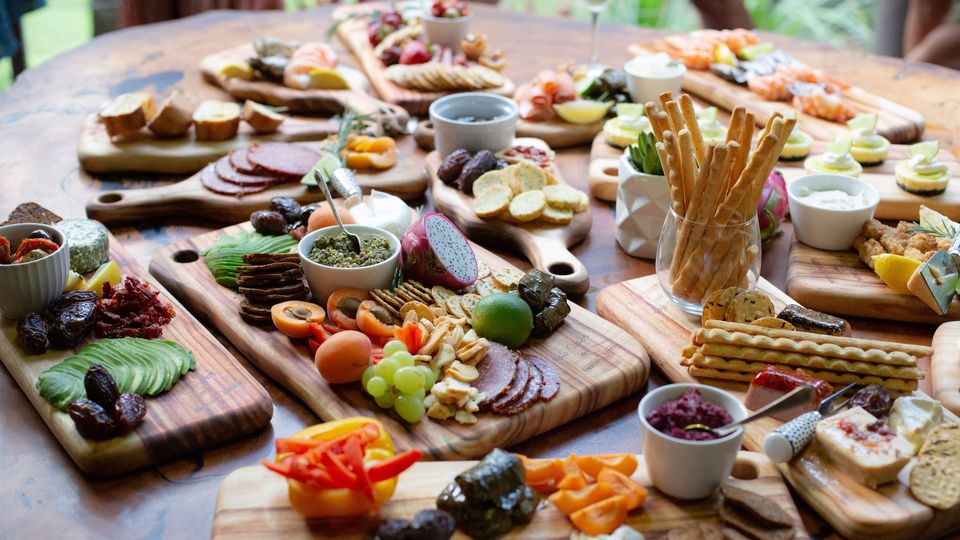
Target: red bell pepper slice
(5,255)
(293,470)
(297,446)
(29,244)
(389,468)
(313,345)
(353,455)
(341,475)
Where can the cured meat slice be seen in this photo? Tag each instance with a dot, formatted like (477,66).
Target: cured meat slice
(211,181)
(240,162)
(530,395)
(226,172)
(551,379)
(517,387)
(497,370)
(285,159)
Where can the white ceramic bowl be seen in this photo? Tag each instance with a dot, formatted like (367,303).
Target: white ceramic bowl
(446,31)
(689,469)
(324,279)
(31,287)
(827,228)
(452,134)
(646,84)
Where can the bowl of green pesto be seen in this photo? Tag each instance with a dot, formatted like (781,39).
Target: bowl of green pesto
(329,263)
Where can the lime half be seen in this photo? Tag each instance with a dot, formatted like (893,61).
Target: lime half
(752,52)
(866,122)
(583,111)
(926,149)
(840,146)
(630,110)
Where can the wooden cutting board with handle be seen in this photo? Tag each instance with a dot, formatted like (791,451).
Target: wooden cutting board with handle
(837,282)
(640,307)
(407,180)
(598,363)
(217,403)
(945,366)
(556,133)
(896,122)
(545,245)
(253,503)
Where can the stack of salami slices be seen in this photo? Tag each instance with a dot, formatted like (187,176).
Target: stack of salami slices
(258,168)
(513,381)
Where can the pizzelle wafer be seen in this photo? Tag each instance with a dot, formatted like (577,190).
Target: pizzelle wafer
(810,361)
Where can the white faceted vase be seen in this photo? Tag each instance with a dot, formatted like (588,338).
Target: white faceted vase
(642,204)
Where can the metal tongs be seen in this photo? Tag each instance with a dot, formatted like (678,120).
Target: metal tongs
(789,439)
(935,282)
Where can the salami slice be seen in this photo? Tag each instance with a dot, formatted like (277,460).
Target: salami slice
(497,370)
(551,379)
(210,180)
(286,159)
(517,387)
(227,173)
(240,162)
(532,393)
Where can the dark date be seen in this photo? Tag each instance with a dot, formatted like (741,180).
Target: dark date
(268,222)
(92,420)
(452,166)
(286,207)
(72,324)
(32,334)
(100,386)
(874,399)
(128,412)
(69,298)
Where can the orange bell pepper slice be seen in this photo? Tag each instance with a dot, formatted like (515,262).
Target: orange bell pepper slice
(591,465)
(623,485)
(541,471)
(601,517)
(410,334)
(574,480)
(569,501)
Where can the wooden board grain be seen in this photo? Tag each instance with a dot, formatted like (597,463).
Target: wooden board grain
(896,122)
(640,307)
(352,31)
(253,503)
(407,180)
(217,403)
(837,282)
(559,134)
(945,366)
(598,363)
(545,245)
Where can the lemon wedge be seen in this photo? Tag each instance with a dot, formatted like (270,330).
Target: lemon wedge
(327,79)
(582,111)
(108,272)
(926,149)
(724,55)
(74,281)
(237,71)
(895,270)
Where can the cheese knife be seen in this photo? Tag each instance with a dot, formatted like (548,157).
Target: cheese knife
(935,282)
(785,442)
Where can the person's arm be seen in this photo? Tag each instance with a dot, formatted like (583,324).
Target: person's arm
(721,14)
(941,46)
(922,17)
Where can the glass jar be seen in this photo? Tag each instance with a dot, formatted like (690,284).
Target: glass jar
(696,259)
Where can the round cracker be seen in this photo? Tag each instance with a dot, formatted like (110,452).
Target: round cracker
(715,305)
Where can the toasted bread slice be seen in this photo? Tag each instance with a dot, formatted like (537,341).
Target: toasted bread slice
(562,196)
(557,216)
(492,201)
(528,206)
(173,118)
(583,203)
(127,113)
(489,179)
(216,120)
(530,177)
(261,118)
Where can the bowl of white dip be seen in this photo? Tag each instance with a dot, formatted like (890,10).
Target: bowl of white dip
(828,210)
(649,75)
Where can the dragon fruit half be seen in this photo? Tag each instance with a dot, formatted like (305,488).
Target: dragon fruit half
(435,252)
(772,207)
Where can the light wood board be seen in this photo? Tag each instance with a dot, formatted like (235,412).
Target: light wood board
(556,133)
(217,403)
(837,282)
(544,244)
(598,364)
(896,122)
(640,307)
(945,366)
(353,33)
(253,503)
(407,180)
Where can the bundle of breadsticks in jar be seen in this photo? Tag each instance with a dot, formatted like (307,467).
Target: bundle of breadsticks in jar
(714,191)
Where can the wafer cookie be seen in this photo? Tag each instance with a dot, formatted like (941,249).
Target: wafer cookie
(810,361)
(890,346)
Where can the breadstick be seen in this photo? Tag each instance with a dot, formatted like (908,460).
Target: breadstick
(746,141)
(658,127)
(716,367)
(812,361)
(726,274)
(736,124)
(690,117)
(673,158)
(665,97)
(769,124)
(692,209)
(688,164)
(676,119)
(675,183)
(752,253)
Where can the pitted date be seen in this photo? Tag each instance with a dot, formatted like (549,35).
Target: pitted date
(128,412)
(71,324)
(32,334)
(92,420)
(100,386)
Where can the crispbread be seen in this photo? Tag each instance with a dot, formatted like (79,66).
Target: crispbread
(935,480)
(528,205)
(557,216)
(529,177)
(748,306)
(767,356)
(492,200)
(489,179)
(562,196)
(943,440)
(715,305)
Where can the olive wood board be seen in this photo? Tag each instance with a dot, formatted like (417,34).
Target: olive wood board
(310,101)
(556,133)
(945,366)
(144,153)
(855,511)
(217,403)
(838,282)
(895,203)
(896,122)
(253,503)
(544,244)
(352,31)
(598,363)
(406,179)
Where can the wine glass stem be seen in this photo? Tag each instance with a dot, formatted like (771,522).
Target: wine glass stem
(594,51)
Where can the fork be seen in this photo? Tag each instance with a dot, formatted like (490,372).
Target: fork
(785,442)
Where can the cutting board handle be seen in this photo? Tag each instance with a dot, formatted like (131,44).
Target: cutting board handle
(131,206)
(603,179)
(363,104)
(553,256)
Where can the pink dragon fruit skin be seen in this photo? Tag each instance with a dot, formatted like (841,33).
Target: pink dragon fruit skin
(434,251)
(773,206)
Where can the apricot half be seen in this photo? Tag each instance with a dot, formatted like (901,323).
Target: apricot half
(294,318)
(342,307)
(374,320)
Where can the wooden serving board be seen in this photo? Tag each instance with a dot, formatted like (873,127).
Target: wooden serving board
(837,282)
(598,363)
(640,307)
(545,245)
(945,366)
(253,503)
(897,123)
(352,31)
(556,133)
(217,403)
(407,180)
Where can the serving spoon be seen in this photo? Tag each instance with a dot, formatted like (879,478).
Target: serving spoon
(800,394)
(354,239)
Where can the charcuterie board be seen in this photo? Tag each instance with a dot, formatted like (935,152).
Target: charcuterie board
(556,133)
(945,366)
(215,404)
(545,245)
(253,502)
(352,31)
(837,282)
(603,174)
(896,122)
(640,307)
(598,363)
(407,180)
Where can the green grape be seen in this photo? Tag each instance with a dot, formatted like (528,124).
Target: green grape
(386,368)
(368,374)
(393,347)
(403,358)
(409,407)
(386,400)
(408,379)
(376,386)
(429,377)
(421,393)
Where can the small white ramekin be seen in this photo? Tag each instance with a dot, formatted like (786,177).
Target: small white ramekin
(645,86)
(451,134)
(446,31)
(31,287)
(828,228)
(324,279)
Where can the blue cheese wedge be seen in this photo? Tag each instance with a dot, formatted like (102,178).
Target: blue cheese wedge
(89,245)
(863,447)
(913,417)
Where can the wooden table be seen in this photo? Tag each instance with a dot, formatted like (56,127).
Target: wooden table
(41,117)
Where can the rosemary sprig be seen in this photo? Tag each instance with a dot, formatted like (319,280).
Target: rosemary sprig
(944,230)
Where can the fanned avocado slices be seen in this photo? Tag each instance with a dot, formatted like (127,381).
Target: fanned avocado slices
(226,254)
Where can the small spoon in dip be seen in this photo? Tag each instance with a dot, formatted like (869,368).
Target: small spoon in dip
(354,239)
(797,396)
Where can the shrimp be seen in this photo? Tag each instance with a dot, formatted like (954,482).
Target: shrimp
(738,38)
(824,105)
(696,57)
(771,87)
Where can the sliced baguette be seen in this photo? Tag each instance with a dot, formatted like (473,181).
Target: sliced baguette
(216,120)
(556,216)
(260,118)
(127,113)
(562,196)
(492,201)
(528,206)
(530,177)
(173,118)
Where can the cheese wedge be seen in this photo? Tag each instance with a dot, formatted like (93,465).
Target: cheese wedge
(127,113)
(862,448)
(216,120)
(261,118)
(913,417)
(173,118)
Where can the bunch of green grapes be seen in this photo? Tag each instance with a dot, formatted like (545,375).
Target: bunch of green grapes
(397,382)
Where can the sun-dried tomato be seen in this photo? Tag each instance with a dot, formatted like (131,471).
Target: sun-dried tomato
(5,256)
(29,244)
(132,308)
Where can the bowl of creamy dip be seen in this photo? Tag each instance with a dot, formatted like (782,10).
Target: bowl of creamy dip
(829,210)
(649,75)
